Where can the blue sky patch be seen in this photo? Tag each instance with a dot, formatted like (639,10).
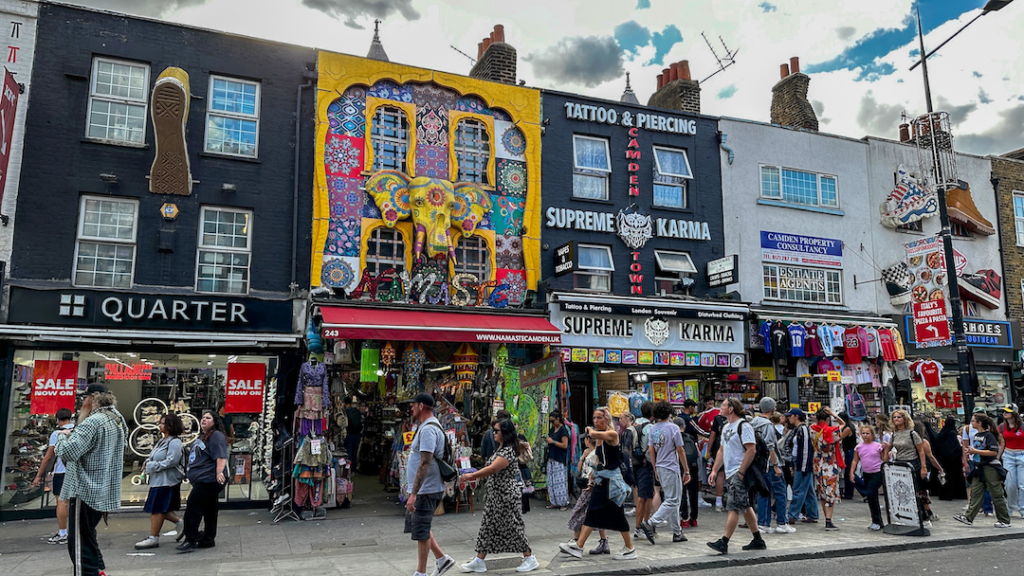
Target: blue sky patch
(727,92)
(663,42)
(642,4)
(882,41)
(767,7)
(631,36)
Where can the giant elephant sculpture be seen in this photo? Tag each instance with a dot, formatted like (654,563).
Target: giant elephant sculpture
(434,205)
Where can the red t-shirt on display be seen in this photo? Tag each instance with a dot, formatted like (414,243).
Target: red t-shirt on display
(888,347)
(851,341)
(931,373)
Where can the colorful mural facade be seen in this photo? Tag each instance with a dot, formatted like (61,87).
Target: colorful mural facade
(427,185)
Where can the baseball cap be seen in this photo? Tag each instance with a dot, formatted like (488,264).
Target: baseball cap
(425,399)
(795,412)
(767,404)
(1009,408)
(95,388)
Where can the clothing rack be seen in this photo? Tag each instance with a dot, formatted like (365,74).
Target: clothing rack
(283,506)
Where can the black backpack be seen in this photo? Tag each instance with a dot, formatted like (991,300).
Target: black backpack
(638,455)
(756,476)
(691,451)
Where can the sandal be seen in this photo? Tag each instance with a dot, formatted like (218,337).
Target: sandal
(564,508)
(551,506)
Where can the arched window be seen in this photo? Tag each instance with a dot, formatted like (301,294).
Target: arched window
(472,151)
(473,257)
(389,136)
(385,248)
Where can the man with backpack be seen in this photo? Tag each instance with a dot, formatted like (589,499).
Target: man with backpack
(764,428)
(736,457)
(643,472)
(665,450)
(688,504)
(425,485)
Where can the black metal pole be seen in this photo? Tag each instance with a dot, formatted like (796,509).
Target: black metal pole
(964,377)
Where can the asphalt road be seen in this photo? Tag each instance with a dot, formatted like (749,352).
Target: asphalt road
(996,558)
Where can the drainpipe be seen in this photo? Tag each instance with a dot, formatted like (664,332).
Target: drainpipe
(293,287)
(721,142)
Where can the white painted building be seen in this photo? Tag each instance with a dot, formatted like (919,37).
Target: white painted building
(18,28)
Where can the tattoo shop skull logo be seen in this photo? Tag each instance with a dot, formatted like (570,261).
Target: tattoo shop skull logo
(656,330)
(635,229)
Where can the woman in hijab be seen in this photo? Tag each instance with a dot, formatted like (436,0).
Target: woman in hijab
(949,453)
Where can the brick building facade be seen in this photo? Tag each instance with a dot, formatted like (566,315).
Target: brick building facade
(1008,179)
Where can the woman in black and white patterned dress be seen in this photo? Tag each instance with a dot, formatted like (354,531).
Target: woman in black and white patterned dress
(502,529)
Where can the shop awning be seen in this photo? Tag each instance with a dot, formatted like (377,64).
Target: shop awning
(431,326)
(819,316)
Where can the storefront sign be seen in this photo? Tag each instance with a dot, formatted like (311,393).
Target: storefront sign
(901,495)
(589,221)
(927,266)
(54,383)
(654,122)
(541,371)
(931,326)
(93,308)
(945,400)
(651,310)
(8,110)
(980,333)
(115,371)
(835,376)
(565,259)
(801,250)
(244,393)
(723,271)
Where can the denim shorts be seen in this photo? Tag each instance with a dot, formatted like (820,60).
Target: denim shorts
(417,523)
(644,482)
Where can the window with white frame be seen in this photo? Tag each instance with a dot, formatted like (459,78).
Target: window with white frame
(591,167)
(472,257)
(594,271)
(105,251)
(670,266)
(802,284)
(799,187)
(385,248)
(389,136)
(225,251)
(472,151)
(1018,216)
(233,117)
(118,96)
(671,172)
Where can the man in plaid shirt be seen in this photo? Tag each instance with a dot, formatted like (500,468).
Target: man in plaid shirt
(93,453)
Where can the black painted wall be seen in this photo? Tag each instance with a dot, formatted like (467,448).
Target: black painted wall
(60,165)
(705,190)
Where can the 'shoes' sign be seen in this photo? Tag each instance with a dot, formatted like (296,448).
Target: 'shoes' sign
(244,392)
(53,386)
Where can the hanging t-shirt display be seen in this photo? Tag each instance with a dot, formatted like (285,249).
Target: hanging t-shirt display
(885,343)
(872,339)
(826,340)
(825,366)
(766,336)
(851,340)
(897,341)
(862,335)
(780,340)
(812,346)
(930,372)
(838,334)
(797,337)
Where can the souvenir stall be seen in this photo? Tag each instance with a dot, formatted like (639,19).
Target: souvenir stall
(848,364)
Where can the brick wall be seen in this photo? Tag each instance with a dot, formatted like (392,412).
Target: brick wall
(790,106)
(498,64)
(1008,177)
(679,94)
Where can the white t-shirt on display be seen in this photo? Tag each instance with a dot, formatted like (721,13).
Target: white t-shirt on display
(734,447)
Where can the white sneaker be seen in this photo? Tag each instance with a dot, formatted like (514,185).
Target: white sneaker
(702,503)
(529,564)
(766,529)
(927,524)
(1002,525)
(719,508)
(625,554)
(150,542)
(631,512)
(785,529)
(570,548)
(874,527)
(475,565)
(179,527)
(443,564)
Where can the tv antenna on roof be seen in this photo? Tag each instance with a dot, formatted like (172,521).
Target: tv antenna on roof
(723,63)
(471,59)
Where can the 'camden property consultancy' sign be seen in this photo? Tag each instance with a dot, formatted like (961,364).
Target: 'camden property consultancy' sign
(798,250)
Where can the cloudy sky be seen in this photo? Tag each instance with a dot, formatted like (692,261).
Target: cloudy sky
(857,52)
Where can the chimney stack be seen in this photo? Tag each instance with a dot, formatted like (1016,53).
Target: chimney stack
(904,132)
(496,60)
(790,106)
(676,90)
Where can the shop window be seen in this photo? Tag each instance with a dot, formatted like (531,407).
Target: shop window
(671,173)
(595,269)
(472,151)
(911,226)
(389,135)
(105,251)
(385,248)
(1018,216)
(233,117)
(118,96)
(799,187)
(225,251)
(800,284)
(670,266)
(957,229)
(473,257)
(591,168)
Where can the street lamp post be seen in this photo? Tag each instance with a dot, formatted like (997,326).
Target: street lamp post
(944,181)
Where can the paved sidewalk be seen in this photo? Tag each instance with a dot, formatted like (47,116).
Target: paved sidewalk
(368,539)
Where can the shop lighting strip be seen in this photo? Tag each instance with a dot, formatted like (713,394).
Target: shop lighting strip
(440,328)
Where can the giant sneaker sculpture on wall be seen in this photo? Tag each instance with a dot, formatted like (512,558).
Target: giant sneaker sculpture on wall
(170,173)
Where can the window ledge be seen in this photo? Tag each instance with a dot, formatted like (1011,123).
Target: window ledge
(818,209)
(120,143)
(593,201)
(672,209)
(230,157)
